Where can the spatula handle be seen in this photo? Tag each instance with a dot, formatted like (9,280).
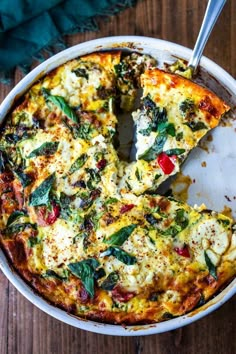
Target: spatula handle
(212,13)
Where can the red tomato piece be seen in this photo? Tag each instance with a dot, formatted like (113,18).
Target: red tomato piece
(165,163)
(126,208)
(101,164)
(120,295)
(206,105)
(183,251)
(46,216)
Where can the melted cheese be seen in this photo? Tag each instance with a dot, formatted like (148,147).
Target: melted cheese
(59,247)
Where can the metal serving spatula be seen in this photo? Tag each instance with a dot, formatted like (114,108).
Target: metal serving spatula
(212,13)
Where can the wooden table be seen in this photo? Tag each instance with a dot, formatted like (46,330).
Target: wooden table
(24,329)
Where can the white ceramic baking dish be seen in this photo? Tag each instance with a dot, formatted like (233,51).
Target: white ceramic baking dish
(217,176)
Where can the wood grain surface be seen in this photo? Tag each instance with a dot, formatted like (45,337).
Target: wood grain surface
(24,329)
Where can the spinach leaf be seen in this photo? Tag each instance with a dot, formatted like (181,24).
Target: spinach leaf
(84,131)
(176,151)
(65,211)
(79,162)
(171,231)
(14,216)
(201,301)
(195,126)
(60,103)
(151,219)
(148,103)
(166,128)
(224,222)
(33,241)
(46,149)
(211,267)
(155,149)
(119,237)
(128,185)
(157,176)
(181,219)
(87,224)
(25,179)
(111,201)
(89,198)
(181,222)
(85,270)
(146,132)
(94,178)
(153,296)
(91,221)
(12,138)
(120,254)
(186,107)
(159,116)
(100,273)
(22,133)
(121,69)
(85,237)
(167,316)
(3,161)
(16,228)
(159,119)
(86,241)
(79,236)
(169,128)
(40,196)
(51,273)
(138,174)
(110,282)
(179,136)
(80,72)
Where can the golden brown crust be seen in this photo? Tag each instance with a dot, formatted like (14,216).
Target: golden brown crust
(105,59)
(211,105)
(71,295)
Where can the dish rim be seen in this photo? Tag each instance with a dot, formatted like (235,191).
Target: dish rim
(132,43)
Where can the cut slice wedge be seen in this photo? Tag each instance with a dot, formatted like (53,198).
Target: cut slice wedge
(175,114)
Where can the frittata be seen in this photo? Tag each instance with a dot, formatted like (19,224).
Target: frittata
(87,229)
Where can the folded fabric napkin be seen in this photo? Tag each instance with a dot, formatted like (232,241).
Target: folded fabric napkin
(29,26)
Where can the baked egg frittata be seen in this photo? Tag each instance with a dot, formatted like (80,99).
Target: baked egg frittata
(86,229)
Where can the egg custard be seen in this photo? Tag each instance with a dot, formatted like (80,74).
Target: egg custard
(86,229)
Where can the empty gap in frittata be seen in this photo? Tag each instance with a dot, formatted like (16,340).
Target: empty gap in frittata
(128,72)
(127,132)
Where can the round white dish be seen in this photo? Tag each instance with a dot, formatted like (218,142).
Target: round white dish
(213,180)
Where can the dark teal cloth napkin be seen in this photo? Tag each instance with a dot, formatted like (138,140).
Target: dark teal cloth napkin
(29,26)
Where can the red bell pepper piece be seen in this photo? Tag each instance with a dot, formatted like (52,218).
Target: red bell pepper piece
(165,163)
(126,208)
(101,164)
(183,251)
(121,295)
(46,216)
